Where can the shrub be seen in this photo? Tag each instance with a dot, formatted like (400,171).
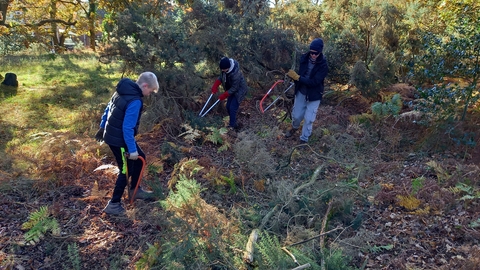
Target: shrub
(251,151)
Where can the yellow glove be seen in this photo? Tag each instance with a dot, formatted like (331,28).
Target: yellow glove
(292,74)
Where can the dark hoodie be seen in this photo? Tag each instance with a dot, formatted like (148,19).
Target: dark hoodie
(314,84)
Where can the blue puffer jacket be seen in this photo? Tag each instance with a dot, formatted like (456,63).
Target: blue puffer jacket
(122,115)
(315,83)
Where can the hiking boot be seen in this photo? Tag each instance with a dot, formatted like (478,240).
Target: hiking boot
(290,132)
(114,208)
(236,128)
(141,194)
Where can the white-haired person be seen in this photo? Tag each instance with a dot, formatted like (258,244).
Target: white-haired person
(118,127)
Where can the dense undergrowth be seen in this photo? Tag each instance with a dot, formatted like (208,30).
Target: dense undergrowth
(378,186)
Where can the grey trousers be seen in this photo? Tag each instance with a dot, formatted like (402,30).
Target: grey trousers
(304,110)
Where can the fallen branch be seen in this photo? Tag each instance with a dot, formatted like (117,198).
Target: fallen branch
(322,233)
(313,178)
(249,249)
(267,217)
(291,255)
(299,267)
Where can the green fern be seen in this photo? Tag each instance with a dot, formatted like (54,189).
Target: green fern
(187,189)
(474,224)
(377,249)
(230,180)
(471,192)
(149,257)
(271,251)
(217,137)
(39,223)
(417,184)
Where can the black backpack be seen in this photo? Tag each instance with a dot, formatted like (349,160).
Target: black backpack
(10,80)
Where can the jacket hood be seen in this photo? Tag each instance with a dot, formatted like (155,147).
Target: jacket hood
(127,87)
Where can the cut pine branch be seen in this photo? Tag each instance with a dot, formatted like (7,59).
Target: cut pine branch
(249,248)
(309,183)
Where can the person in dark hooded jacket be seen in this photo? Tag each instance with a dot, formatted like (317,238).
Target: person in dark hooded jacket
(309,85)
(234,85)
(118,128)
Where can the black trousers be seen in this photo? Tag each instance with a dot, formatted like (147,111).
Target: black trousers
(134,168)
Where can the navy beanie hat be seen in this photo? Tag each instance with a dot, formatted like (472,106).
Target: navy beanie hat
(317,45)
(224,63)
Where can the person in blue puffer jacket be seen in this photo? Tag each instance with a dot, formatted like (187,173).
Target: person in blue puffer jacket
(118,128)
(235,88)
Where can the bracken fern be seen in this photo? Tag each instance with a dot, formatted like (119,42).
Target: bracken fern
(40,222)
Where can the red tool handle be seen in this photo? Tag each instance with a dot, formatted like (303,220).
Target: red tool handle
(266,95)
(139,179)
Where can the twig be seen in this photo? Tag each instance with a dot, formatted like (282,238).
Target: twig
(316,236)
(105,223)
(305,266)
(291,255)
(348,244)
(267,217)
(341,233)
(299,267)
(322,233)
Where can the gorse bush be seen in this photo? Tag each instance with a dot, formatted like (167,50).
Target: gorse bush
(371,79)
(390,107)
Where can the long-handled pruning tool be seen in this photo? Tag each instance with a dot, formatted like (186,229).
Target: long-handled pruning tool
(202,114)
(290,85)
(286,81)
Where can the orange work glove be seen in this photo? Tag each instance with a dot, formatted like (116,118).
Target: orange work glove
(292,74)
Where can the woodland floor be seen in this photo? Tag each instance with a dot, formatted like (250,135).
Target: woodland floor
(440,237)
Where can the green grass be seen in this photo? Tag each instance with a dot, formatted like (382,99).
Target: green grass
(66,94)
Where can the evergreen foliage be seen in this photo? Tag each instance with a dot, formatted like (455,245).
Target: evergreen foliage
(74,257)
(201,234)
(337,260)
(391,107)
(272,255)
(448,69)
(149,257)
